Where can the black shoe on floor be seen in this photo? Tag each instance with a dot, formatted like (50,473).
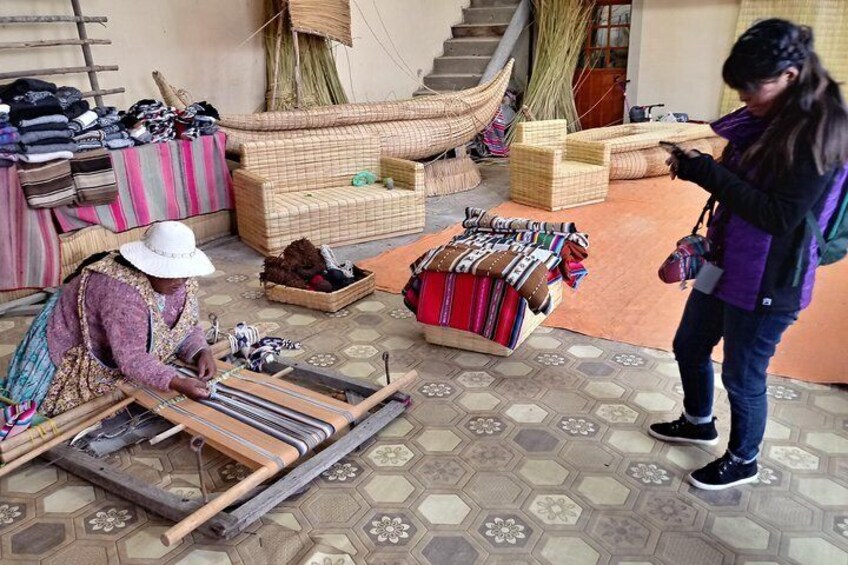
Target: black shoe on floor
(723,473)
(683,431)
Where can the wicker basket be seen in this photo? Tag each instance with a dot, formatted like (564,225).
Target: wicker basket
(324,301)
(469,341)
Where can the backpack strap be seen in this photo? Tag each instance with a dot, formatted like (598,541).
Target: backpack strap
(811,226)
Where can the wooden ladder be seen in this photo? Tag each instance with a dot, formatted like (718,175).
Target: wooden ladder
(82,41)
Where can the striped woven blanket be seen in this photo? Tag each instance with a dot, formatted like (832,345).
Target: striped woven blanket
(160,181)
(29,244)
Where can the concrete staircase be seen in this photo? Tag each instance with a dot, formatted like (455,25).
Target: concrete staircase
(471,46)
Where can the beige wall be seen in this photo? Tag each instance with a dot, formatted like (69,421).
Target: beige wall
(677,50)
(418,28)
(195,43)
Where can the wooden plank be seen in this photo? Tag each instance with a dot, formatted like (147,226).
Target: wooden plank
(52,19)
(86,52)
(304,473)
(310,374)
(52,43)
(63,437)
(103,92)
(57,71)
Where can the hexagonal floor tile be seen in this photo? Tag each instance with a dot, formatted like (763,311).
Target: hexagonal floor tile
(513,368)
(782,510)
(649,474)
(399,427)
(390,455)
(603,491)
(623,532)
(472,360)
(617,413)
(363,335)
(555,509)
(595,369)
(390,529)
(485,426)
(441,472)
(823,491)
(668,510)
(357,369)
(449,550)
(391,489)
(536,441)
(577,427)
(794,457)
(571,549)
(551,359)
(370,306)
(448,509)
(631,441)
(543,472)
(816,551)
(438,440)
(436,390)
(479,401)
(740,533)
(475,379)
(395,343)
(505,531)
(585,351)
(361,351)
(69,499)
(332,507)
(527,413)
(544,342)
(690,548)
(31,480)
(654,401)
(494,489)
(603,390)
(271,313)
(217,300)
(205,557)
(827,442)
(832,402)
(145,544)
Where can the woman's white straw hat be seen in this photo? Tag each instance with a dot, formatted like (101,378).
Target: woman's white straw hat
(168,251)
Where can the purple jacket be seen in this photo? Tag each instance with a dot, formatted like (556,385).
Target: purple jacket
(760,230)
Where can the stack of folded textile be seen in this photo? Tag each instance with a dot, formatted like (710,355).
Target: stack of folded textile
(8,138)
(200,118)
(36,109)
(150,121)
(100,128)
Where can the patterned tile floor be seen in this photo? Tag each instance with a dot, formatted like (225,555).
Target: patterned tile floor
(537,458)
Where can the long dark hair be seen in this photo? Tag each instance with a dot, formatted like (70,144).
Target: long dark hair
(812,112)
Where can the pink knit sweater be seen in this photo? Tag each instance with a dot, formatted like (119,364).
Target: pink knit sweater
(118,321)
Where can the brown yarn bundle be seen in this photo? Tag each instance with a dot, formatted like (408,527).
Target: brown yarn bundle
(296,265)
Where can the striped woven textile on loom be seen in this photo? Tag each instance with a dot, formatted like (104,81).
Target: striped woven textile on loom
(161,181)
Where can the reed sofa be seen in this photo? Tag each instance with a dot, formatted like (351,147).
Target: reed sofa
(288,189)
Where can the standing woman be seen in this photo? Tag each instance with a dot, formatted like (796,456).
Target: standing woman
(785,159)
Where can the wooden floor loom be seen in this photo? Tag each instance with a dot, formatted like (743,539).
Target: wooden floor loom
(265,423)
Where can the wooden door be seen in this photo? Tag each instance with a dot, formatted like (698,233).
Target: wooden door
(602,70)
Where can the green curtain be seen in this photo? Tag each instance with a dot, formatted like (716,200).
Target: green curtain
(828,18)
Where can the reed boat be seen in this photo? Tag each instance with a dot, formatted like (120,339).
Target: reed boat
(408,129)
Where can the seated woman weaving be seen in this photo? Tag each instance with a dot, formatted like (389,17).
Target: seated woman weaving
(140,309)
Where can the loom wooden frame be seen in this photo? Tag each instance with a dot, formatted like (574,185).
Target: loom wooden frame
(227,524)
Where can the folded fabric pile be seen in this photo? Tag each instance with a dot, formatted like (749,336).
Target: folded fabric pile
(100,128)
(38,109)
(9,137)
(485,279)
(201,118)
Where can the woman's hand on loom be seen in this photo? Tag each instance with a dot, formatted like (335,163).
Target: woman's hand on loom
(192,388)
(206,368)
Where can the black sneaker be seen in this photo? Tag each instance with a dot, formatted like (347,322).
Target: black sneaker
(682,430)
(723,473)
